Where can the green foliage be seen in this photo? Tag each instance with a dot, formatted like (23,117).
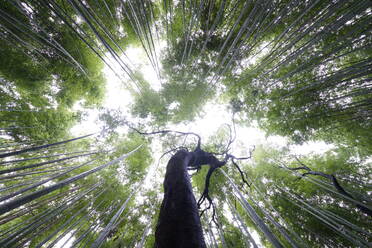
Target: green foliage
(137,164)
(150,103)
(181,97)
(310,88)
(273,180)
(300,69)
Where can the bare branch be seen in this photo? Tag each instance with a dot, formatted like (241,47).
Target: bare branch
(331,177)
(242,174)
(166,131)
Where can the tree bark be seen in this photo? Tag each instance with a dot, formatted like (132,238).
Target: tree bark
(179,222)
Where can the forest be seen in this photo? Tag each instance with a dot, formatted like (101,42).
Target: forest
(257,112)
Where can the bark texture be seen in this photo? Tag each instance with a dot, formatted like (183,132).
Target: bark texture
(179,223)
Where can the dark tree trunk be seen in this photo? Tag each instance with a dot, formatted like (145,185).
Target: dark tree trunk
(179,223)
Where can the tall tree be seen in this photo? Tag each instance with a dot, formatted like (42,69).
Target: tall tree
(298,68)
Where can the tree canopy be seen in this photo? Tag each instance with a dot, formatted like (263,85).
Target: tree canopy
(275,77)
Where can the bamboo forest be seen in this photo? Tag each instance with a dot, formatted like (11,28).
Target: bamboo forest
(185,123)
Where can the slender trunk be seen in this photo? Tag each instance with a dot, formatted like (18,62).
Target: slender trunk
(179,223)
(43,163)
(12,204)
(36,148)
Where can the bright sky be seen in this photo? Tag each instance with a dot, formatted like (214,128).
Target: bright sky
(66,241)
(215,115)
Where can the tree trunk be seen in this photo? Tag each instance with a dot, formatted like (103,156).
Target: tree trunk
(179,223)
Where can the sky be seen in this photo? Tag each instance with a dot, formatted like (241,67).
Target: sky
(66,241)
(214,116)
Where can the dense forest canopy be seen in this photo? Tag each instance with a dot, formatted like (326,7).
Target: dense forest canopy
(96,97)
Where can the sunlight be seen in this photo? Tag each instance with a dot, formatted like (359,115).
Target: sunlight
(117,94)
(253,119)
(215,115)
(88,123)
(141,63)
(66,242)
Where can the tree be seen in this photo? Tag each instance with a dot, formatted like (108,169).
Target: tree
(298,68)
(285,188)
(312,85)
(179,223)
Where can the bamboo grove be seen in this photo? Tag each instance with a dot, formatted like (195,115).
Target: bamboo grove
(299,69)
